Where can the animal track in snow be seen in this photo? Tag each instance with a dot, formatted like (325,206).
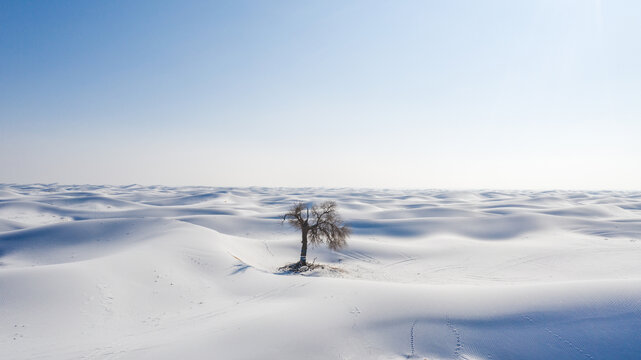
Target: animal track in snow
(412,348)
(562,339)
(459,343)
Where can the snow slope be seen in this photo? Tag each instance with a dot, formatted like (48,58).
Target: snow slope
(134,272)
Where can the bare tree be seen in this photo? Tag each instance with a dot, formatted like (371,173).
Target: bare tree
(318,224)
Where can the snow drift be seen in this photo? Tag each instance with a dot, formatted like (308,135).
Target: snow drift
(136,272)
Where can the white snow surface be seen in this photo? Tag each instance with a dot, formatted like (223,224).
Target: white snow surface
(155,272)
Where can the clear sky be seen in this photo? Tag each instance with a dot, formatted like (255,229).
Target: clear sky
(427,94)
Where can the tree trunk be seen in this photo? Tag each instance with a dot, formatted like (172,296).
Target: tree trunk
(303,249)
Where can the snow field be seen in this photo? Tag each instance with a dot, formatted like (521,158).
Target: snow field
(135,272)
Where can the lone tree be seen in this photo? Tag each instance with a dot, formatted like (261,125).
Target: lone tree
(318,224)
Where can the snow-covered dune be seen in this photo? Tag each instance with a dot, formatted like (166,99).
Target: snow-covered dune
(135,272)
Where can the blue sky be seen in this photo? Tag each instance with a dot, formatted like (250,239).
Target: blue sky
(428,94)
